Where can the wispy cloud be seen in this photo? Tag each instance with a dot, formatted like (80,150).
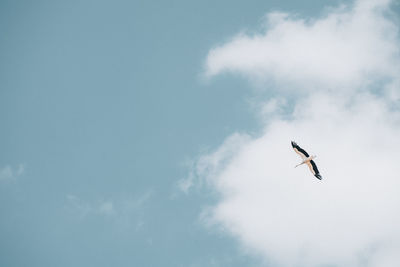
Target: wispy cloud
(186,183)
(121,210)
(9,173)
(106,207)
(342,71)
(82,207)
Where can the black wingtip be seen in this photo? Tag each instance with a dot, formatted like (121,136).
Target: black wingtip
(318,176)
(294,144)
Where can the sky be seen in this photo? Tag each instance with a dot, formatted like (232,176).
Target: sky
(147,133)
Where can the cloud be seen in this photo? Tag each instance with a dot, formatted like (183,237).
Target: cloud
(345,50)
(8,173)
(85,208)
(288,215)
(106,207)
(185,184)
(123,211)
(345,66)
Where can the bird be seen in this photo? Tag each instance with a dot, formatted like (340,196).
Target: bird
(307,159)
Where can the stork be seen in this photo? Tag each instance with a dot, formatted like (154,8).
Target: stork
(307,159)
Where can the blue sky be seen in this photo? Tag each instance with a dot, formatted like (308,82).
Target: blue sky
(104,106)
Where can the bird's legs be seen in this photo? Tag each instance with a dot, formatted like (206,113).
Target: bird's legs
(299,164)
(306,160)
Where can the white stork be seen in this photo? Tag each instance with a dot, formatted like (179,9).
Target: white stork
(307,159)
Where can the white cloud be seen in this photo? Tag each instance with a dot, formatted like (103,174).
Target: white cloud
(123,211)
(20,170)
(288,215)
(85,208)
(338,63)
(106,207)
(8,173)
(185,184)
(347,49)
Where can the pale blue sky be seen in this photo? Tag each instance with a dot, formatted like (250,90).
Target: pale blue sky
(101,105)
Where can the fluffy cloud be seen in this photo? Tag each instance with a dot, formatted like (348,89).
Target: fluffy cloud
(346,66)
(291,217)
(347,49)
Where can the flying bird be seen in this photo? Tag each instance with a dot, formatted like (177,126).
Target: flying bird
(307,159)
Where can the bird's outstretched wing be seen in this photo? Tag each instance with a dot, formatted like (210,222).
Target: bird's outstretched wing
(303,154)
(313,168)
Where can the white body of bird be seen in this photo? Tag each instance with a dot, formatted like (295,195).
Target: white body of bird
(306,160)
